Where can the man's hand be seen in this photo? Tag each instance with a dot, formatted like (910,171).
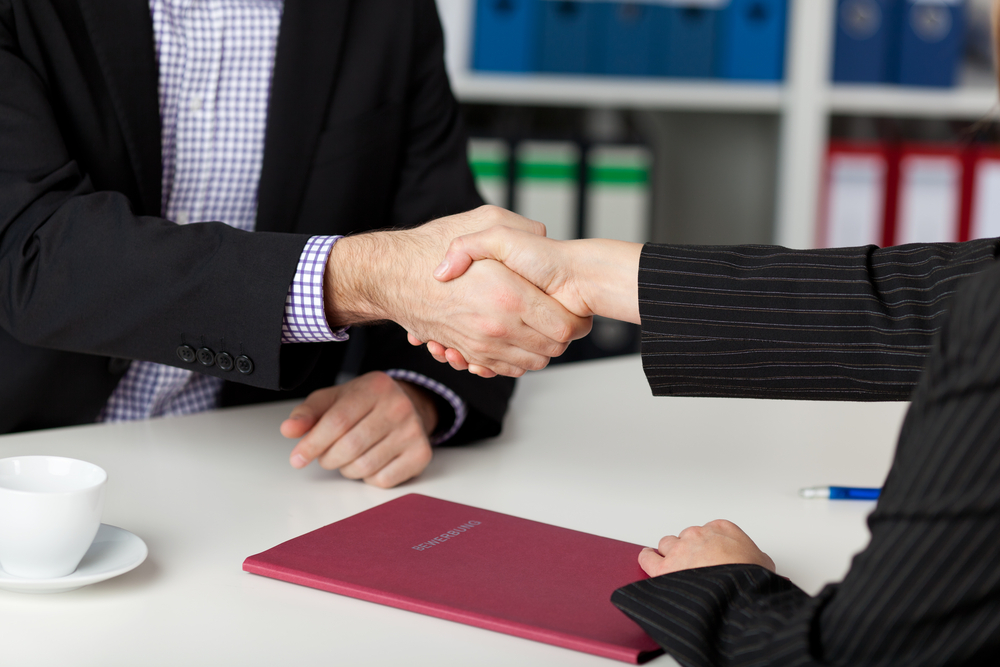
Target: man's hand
(589,277)
(493,317)
(373,428)
(718,542)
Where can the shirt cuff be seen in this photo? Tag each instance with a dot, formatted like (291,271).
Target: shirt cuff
(457,404)
(305,314)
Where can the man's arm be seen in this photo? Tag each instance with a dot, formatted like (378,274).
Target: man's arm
(926,590)
(83,273)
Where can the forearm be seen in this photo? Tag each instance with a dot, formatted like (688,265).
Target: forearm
(607,273)
(725,616)
(769,322)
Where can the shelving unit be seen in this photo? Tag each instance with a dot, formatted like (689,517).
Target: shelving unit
(804,101)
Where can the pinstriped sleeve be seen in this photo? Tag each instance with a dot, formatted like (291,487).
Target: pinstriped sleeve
(769,322)
(725,615)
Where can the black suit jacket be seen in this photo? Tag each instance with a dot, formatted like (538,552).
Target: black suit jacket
(858,324)
(363,133)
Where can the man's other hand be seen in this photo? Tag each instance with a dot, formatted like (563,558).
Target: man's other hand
(373,428)
(493,317)
(718,542)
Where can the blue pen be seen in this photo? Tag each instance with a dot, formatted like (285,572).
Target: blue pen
(840,493)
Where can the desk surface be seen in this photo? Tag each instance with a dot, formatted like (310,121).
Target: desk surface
(585,446)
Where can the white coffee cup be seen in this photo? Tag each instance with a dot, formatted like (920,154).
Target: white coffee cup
(50,510)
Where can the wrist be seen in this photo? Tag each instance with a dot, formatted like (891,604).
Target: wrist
(423,403)
(609,277)
(352,292)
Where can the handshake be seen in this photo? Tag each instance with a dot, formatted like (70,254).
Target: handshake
(505,299)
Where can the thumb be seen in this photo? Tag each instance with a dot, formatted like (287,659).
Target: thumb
(464,250)
(299,422)
(455,264)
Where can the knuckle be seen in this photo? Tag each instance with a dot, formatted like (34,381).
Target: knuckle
(381,481)
(363,466)
(513,371)
(423,455)
(379,381)
(690,532)
(348,450)
(491,328)
(538,364)
(556,349)
(413,430)
(350,473)
(328,463)
(479,348)
(565,333)
(722,526)
(400,409)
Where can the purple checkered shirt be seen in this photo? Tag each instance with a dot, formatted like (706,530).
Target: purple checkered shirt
(215,61)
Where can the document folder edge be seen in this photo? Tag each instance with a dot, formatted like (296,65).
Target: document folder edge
(253,565)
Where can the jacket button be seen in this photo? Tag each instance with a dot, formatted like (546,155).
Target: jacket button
(206,356)
(224,361)
(186,354)
(118,366)
(244,365)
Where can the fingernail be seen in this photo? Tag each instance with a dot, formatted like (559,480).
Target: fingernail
(299,461)
(441,269)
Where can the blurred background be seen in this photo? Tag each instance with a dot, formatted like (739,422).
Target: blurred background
(806,123)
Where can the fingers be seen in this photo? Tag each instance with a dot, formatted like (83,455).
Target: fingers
(650,561)
(358,442)
(549,318)
(339,413)
(456,360)
(410,463)
(481,371)
(438,351)
(718,542)
(304,417)
(413,340)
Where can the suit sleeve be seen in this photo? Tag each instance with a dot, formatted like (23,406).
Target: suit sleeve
(926,590)
(769,322)
(435,181)
(82,273)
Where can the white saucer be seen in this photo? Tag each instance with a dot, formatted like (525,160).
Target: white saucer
(114,551)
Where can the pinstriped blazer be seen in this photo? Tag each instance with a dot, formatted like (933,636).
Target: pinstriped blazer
(849,324)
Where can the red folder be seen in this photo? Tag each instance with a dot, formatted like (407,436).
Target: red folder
(981,195)
(857,196)
(470,565)
(929,195)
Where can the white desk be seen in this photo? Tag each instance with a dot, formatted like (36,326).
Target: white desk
(585,446)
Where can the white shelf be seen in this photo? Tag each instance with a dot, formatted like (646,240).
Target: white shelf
(966,103)
(631,93)
(804,102)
